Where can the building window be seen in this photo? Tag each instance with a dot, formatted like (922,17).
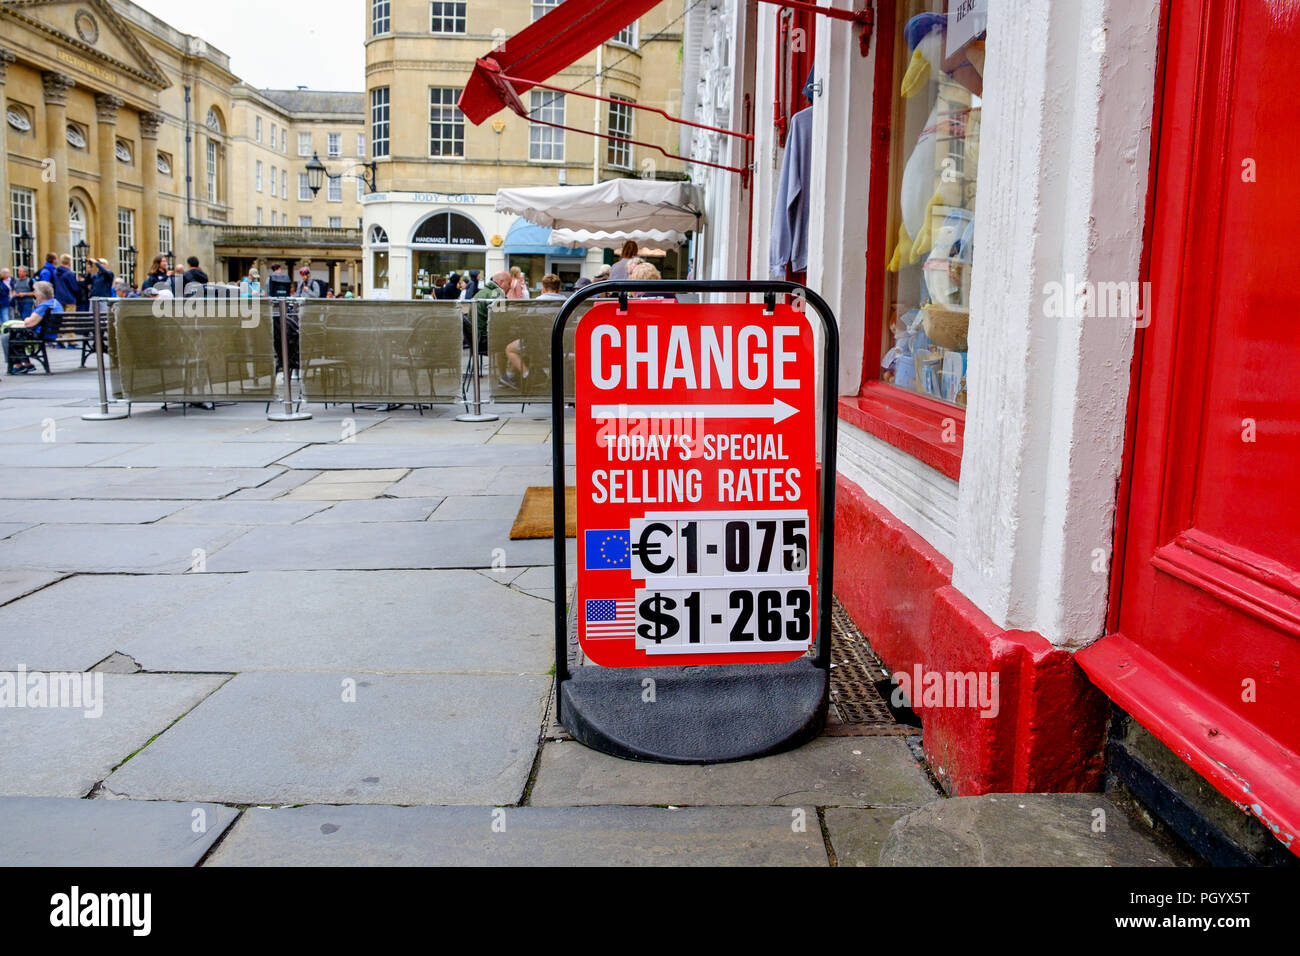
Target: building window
(304,144)
(165,234)
(545,143)
(304,188)
(336,222)
(620,124)
(446,123)
(361,145)
(257,175)
(361,188)
(213,121)
(76,136)
(125,236)
(22,216)
(274,220)
(304,222)
(164,163)
(626,36)
(273,182)
(334,189)
(334,144)
(925,307)
(284,140)
(447,17)
(258,220)
(542,7)
(273,136)
(212,170)
(379,20)
(284,184)
(257,128)
(379,121)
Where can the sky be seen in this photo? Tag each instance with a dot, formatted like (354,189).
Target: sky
(312,43)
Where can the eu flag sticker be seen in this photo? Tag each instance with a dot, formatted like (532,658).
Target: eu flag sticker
(608,550)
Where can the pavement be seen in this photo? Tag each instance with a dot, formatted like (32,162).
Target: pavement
(314,643)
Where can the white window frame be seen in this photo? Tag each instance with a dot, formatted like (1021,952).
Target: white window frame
(22,212)
(441,17)
(125,235)
(361,145)
(304,144)
(380,17)
(166,233)
(617,149)
(257,175)
(336,222)
(258,220)
(304,222)
(541,8)
(545,143)
(626,37)
(380,98)
(273,185)
(304,188)
(210,158)
(257,128)
(284,185)
(274,220)
(334,189)
(334,145)
(443,100)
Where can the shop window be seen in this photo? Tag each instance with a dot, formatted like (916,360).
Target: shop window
(934,122)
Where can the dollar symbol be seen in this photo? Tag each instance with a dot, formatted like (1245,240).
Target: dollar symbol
(663,625)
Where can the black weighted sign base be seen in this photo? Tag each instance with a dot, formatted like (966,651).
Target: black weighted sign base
(696,715)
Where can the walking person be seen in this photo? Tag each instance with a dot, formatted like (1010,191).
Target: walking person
(195,280)
(157,273)
(22,293)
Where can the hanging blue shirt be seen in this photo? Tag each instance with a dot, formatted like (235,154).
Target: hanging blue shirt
(790,218)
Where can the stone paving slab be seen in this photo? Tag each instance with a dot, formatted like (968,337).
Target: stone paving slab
(157,548)
(209,454)
(87,511)
(532,836)
(517,480)
(319,428)
(857,835)
(61,831)
(439,482)
(351,621)
(829,771)
(370,455)
(66,454)
(338,491)
(52,628)
(270,738)
(379,545)
(245,512)
(1009,829)
(427,431)
(60,752)
(376,509)
(10,528)
(150,484)
(276,487)
(371,475)
(16,583)
(465,507)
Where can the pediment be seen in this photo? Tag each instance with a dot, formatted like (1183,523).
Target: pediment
(93,32)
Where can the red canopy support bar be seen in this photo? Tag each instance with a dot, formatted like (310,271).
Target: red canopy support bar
(864,18)
(636,142)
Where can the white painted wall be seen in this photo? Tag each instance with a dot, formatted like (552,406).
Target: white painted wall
(1062,182)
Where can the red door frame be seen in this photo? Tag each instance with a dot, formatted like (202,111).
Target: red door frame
(1260,773)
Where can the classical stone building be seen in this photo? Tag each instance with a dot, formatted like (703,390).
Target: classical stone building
(438,174)
(125,134)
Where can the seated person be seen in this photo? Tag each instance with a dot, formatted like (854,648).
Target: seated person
(517,370)
(19,334)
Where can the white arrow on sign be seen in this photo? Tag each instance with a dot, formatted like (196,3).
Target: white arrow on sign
(778,411)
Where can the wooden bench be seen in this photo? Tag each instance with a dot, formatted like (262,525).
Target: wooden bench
(78,328)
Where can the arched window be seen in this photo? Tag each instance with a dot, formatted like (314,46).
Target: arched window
(213,121)
(77,221)
(378,237)
(448,229)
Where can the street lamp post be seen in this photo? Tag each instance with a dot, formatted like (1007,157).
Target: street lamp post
(128,262)
(317,173)
(25,248)
(79,253)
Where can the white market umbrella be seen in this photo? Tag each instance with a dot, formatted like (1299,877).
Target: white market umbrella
(657,239)
(614,206)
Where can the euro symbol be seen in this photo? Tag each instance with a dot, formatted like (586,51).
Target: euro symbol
(645,549)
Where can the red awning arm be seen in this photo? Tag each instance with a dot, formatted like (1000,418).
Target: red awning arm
(864,18)
(636,142)
(606,99)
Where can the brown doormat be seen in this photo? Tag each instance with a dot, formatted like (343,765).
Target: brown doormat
(536,518)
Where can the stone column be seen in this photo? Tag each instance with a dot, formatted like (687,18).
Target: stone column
(146,241)
(6,246)
(104,239)
(334,274)
(53,227)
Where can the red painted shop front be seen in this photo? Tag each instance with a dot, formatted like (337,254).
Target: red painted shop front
(1205,649)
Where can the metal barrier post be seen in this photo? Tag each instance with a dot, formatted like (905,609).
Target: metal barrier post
(478,415)
(98,310)
(288,415)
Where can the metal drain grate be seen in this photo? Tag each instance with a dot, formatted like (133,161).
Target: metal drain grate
(855,671)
